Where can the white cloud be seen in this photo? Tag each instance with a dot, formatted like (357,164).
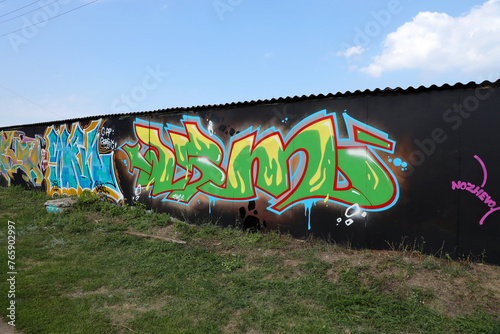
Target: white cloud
(355,50)
(437,42)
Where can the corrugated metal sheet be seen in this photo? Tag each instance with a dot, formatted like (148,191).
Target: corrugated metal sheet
(288,99)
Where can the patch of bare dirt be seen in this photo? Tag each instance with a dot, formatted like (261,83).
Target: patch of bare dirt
(5,328)
(232,325)
(120,314)
(101,291)
(292,262)
(166,231)
(28,264)
(336,257)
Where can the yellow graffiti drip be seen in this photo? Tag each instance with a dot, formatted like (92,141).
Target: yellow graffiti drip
(321,183)
(374,175)
(232,180)
(269,180)
(325,131)
(242,183)
(273,149)
(194,129)
(236,150)
(178,141)
(149,183)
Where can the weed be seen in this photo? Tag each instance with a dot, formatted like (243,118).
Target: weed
(431,263)
(419,295)
(407,248)
(232,263)
(253,237)
(88,198)
(186,229)
(208,231)
(276,239)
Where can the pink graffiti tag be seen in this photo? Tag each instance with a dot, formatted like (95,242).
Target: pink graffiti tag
(484,170)
(478,191)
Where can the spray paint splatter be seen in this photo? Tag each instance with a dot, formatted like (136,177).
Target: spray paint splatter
(398,162)
(211,203)
(307,207)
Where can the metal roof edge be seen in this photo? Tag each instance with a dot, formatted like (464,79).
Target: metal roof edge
(288,99)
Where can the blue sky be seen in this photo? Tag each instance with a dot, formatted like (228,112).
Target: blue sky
(114,56)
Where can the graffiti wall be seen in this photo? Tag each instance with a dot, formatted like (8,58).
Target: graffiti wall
(368,169)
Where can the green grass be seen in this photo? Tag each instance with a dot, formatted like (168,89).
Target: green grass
(78,273)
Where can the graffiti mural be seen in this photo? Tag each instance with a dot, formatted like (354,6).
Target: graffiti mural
(19,152)
(75,162)
(311,163)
